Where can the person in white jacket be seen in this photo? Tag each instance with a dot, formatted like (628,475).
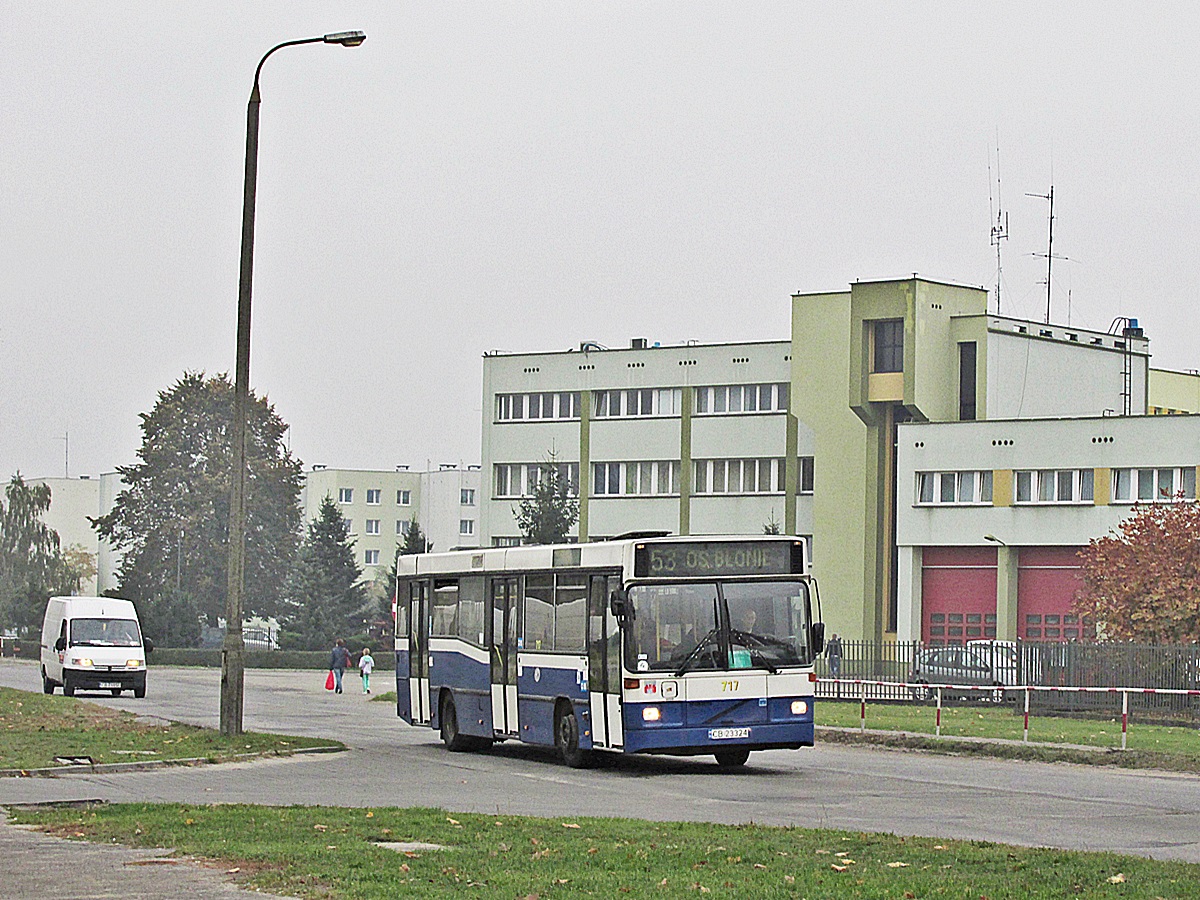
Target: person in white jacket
(366,664)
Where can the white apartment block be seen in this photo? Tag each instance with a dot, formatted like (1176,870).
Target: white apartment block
(378,504)
(686,439)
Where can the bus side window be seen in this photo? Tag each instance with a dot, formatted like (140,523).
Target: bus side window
(402,610)
(445,607)
(570,613)
(470,609)
(539,612)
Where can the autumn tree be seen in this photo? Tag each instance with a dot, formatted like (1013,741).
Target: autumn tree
(171,519)
(32,565)
(1142,582)
(324,596)
(549,513)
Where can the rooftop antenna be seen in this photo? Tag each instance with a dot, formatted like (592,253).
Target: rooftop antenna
(66,439)
(1049,254)
(1000,228)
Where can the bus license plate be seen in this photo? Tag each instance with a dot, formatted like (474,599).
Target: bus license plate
(725,734)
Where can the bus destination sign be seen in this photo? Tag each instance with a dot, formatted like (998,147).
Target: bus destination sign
(698,559)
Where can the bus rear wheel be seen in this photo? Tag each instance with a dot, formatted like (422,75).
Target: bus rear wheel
(732,758)
(454,740)
(566,738)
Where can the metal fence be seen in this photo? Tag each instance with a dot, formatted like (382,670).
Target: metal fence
(893,664)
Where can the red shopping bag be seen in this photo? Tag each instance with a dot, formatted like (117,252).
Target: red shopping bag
(329,681)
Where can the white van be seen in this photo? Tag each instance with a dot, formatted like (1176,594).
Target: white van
(93,643)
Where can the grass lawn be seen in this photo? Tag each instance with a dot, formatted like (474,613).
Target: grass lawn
(385,697)
(335,853)
(37,728)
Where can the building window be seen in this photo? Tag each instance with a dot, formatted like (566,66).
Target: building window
(1055,486)
(371,557)
(606,479)
(889,346)
(401,524)
(374,496)
(738,476)
(804,484)
(345,495)
(507,480)
(954,488)
(966,381)
(466,497)
(636,403)
(372,526)
(728,399)
(1153,485)
(403,498)
(349,526)
(506,541)
(466,526)
(563,405)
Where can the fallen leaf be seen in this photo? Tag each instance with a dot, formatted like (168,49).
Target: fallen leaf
(938,847)
(404,867)
(789,879)
(233,871)
(315,827)
(843,853)
(825,852)
(569,825)
(838,868)
(897,865)
(452,821)
(1119,878)
(759,866)
(370,815)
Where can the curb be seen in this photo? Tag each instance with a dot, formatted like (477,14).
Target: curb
(147,765)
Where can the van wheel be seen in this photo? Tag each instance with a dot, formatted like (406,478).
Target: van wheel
(47,684)
(139,690)
(566,738)
(732,758)
(68,685)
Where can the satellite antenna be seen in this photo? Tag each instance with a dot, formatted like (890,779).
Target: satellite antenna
(1000,227)
(1049,254)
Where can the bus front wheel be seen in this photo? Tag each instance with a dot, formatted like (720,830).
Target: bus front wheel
(732,758)
(566,738)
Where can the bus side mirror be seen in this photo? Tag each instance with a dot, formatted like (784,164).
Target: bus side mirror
(818,638)
(618,602)
(61,644)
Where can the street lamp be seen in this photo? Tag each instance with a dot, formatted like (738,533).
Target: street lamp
(232,650)
(995,540)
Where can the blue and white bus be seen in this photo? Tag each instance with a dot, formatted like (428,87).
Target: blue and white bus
(680,645)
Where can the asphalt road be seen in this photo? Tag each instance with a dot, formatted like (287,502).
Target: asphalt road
(830,786)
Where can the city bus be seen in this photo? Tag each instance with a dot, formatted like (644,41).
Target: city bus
(677,645)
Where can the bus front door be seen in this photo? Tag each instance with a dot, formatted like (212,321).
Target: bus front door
(604,664)
(418,660)
(506,609)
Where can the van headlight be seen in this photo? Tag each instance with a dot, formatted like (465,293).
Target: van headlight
(651,714)
(81,661)
(133,663)
(799,707)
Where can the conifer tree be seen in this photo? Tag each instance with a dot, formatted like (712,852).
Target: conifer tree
(325,596)
(547,516)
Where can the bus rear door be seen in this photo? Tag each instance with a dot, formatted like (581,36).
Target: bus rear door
(506,608)
(400,611)
(418,668)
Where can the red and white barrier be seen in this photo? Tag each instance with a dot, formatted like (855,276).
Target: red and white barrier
(1028,690)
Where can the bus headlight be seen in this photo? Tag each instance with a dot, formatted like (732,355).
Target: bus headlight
(799,707)
(651,714)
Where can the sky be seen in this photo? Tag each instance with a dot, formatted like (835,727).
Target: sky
(525,176)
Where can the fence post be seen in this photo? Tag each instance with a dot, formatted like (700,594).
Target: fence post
(862,711)
(1124,717)
(1026,737)
(938,729)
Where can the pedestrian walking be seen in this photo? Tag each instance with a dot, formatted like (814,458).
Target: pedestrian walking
(366,663)
(339,659)
(834,654)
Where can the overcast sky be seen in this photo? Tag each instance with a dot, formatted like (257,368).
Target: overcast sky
(525,176)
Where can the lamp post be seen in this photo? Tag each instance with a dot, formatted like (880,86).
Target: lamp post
(991,538)
(233,648)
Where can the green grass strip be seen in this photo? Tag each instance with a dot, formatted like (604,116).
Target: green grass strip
(39,730)
(337,853)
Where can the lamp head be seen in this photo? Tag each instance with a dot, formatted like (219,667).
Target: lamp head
(346,38)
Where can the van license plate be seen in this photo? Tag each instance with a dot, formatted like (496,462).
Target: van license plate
(110,684)
(725,734)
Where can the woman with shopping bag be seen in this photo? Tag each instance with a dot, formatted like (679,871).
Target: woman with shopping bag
(339,659)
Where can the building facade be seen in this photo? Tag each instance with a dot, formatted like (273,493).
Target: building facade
(379,504)
(685,439)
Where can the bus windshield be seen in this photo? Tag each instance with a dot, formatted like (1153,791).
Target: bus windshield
(105,633)
(710,626)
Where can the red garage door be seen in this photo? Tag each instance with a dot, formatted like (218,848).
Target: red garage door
(1047,579)
(958,594)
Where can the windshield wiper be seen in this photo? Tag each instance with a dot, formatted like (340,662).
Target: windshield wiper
(687,660)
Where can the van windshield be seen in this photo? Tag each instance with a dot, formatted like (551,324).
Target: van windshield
(105,633)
